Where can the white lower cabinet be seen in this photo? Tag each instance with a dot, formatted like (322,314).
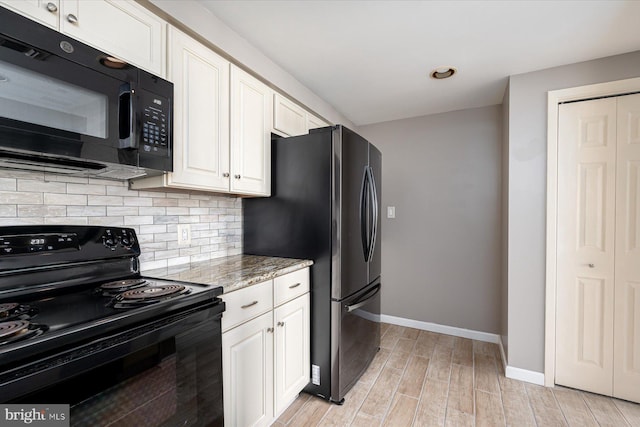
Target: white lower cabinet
(265,359)
(291,350)
(247,354)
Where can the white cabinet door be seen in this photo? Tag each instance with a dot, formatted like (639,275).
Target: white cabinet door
(247,373)
(122,28)
(292,370)
(314,122)
(289,119)
(201,115)
(44,12)
(251,116)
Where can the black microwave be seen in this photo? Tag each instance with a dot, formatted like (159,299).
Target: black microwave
(66,107)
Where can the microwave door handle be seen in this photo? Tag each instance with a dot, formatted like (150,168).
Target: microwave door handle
(126,117)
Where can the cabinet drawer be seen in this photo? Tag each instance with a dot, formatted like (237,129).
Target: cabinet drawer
(291,285)
(247,303)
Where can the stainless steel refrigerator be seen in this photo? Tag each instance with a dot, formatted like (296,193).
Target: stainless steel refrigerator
(325,206)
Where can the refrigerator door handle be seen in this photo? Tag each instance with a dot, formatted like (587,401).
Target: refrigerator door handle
(374,214)
(364,201)
(360,303)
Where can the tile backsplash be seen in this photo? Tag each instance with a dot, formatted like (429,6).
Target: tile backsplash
(41,198)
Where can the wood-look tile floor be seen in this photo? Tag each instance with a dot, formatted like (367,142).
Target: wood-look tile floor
(421,378)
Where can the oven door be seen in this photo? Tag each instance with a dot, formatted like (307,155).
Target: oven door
(166,373)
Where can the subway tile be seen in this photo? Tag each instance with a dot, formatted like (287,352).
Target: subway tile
(177,211)
(166,254)
(165,202)
(66,178)
(152,229)
(166,237)
(189,203)
(98,190)
(105,200)
(86,211)
(138,220)
(67,220)
(104,182)
(165,219)
(122,211)
(201,257)
(157,210)
(113,190)
(12,173)
(138,201)
(21,221)
(8,210)
(186,219)
(41,210)
(8,184)
(11,197)
(152,194)
(112,221)
(41,186)
(198,211)
(184,195)
(178,260)
(150,265)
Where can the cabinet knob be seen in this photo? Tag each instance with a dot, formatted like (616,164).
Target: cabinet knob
(72,18)
(269,330)
(591,265)
(226,174)
(238,176)
(280,323)
(51,7)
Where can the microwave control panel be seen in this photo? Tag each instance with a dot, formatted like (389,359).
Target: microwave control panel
(155,130)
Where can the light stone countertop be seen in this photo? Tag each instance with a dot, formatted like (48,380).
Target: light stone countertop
(232,273)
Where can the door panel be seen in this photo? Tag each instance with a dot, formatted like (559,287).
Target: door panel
(351,163)
(586,225)
(626,380)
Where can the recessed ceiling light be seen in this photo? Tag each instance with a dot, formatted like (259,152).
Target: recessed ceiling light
(443,72)
(113,62)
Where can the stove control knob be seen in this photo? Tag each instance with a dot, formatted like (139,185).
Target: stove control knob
(127,240)
(109,242)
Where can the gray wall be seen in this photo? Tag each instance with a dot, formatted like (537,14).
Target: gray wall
(441,255)
(527,194)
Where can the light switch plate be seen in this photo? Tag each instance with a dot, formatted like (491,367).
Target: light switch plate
(391,211)
(184,234)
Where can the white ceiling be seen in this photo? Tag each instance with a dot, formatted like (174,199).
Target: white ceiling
(371,59)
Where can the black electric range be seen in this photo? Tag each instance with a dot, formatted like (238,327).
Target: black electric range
(75,309)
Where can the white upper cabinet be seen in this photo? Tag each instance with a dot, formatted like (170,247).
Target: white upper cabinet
(45,12)
(201,115)
(289,119)
(251,116)
(313,122)
(122,28)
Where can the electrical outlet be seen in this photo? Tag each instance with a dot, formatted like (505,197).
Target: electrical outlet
(184,234)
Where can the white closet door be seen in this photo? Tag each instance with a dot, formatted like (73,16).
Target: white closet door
(626,380)
(586,228)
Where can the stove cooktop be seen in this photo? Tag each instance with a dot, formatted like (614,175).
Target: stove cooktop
(51,321)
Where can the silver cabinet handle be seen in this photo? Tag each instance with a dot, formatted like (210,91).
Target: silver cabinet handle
(72,18)
(226,174)
(238,176)
(269,330)
(591,265)
(51,7)
(249,305)
(294,286)
(280,323)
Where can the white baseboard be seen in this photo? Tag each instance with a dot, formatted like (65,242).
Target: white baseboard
(442,329)
(524,375)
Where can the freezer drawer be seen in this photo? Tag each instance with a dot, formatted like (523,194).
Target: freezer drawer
(355,338)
